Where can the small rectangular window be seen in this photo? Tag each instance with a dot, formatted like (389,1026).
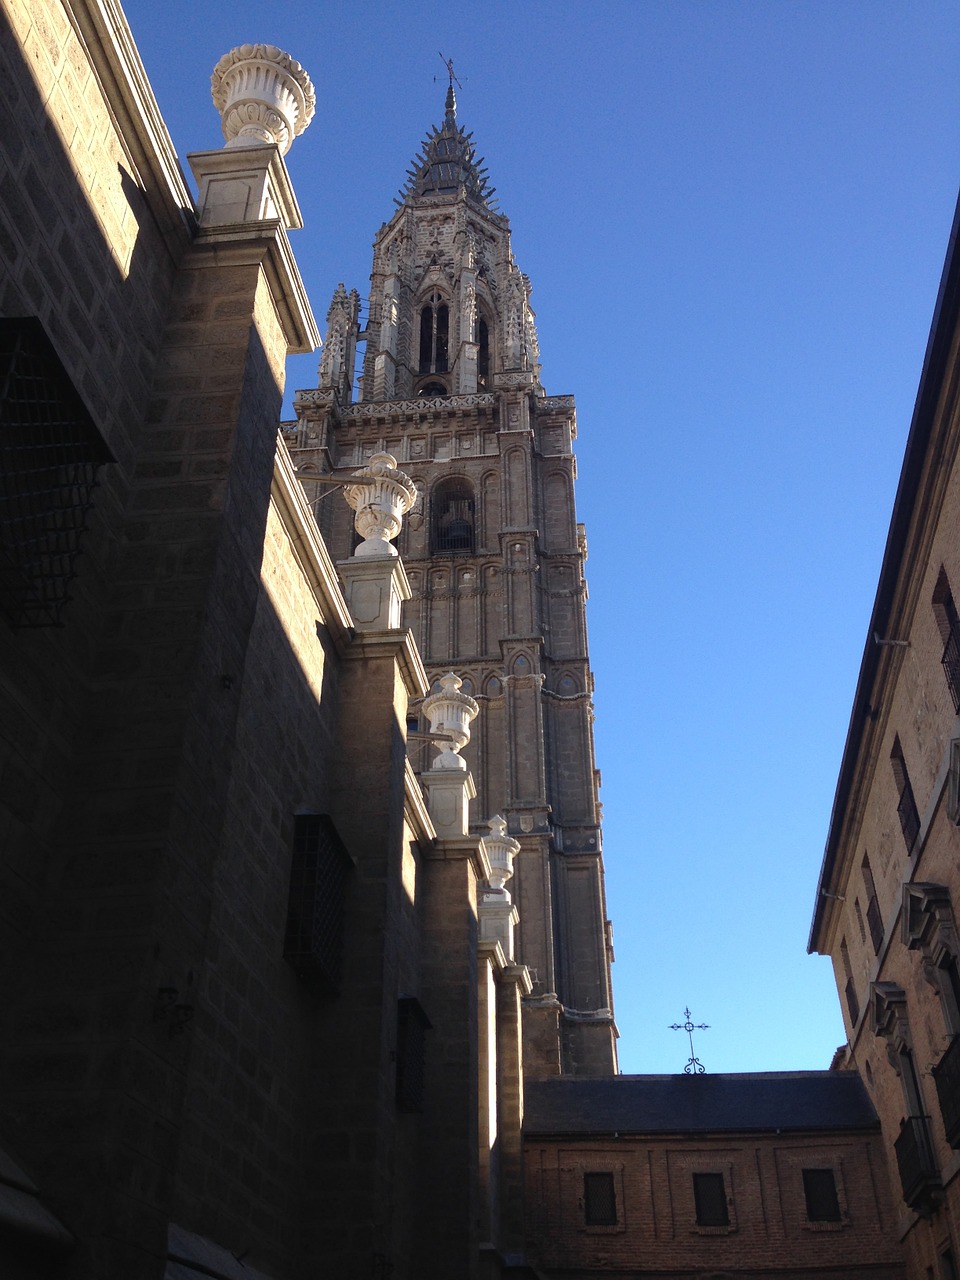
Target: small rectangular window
(874,918)
(820,1191)
(319,871)
(948,623)
(710,1198)
(599,1200)
(412,1027)
(906,805)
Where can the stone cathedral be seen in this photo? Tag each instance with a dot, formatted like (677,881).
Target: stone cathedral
(450,386)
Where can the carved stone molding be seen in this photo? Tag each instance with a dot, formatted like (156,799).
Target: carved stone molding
(386,408)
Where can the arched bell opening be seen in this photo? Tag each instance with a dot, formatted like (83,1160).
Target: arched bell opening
(454,517)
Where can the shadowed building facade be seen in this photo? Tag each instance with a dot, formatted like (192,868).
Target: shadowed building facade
(887,900)
(450,386)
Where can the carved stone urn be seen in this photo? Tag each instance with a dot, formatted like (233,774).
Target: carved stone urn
(450,712)
(381,496)
(501,850)
(263,96)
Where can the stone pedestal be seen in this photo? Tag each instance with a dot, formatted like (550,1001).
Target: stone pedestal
(498,919)
(449,792)
(244,184)
(375,588)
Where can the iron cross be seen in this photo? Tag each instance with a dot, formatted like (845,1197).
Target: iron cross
(694,1066)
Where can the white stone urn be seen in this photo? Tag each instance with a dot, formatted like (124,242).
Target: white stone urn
(501,850)
(381,496)
(450,713)
(263,96)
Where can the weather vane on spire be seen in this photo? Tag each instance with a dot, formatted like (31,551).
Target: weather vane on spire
(694,1067)
(448,63)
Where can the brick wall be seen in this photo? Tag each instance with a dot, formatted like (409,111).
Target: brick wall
(656,1227)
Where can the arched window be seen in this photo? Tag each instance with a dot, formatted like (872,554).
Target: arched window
(483,355)
(434,335)
(453,517)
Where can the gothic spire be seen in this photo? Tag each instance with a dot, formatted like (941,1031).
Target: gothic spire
(447,162)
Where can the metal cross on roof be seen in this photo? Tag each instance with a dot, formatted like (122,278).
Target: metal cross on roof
(448,63)
(694,1067)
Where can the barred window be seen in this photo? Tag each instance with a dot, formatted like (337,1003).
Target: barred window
(599,1200)
(874,918)
(948,624)
(412,1027)
(820,1193)
(907,805)
(318,884)
(50,452)
(453,506)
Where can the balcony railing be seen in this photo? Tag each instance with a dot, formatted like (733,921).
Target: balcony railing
(909,818)
(946,1075)
(919,1175)
(951,665)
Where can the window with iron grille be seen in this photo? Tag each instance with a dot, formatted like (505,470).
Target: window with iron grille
(874,918)
(907,806)
(850,989)
(50,452)
(319,872)
(412,1027)
(599,1200)
(453,517)
(820,1193)
(948,623)
(710,1198)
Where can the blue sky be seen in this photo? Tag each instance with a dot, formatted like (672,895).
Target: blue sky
(734,216)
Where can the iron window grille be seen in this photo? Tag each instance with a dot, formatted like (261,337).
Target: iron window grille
(850,990)
(710,1199)
(50,452)
(454,523)
(820,1193)
(948,624)
(946,1076)
(874,918)
(412,1027)
(319,874)
(907,805)
(919,1175)
(599,1200)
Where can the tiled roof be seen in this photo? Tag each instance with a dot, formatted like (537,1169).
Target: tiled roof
(748,1102)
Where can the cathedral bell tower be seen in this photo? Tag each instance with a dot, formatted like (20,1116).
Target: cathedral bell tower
(450,386)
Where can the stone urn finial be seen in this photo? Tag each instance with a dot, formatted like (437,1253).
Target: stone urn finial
(450,712)
(501,850)
(263,96)
(381,496)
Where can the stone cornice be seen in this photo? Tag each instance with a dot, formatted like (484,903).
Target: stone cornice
(415,806)
(109,45)
(420,404)
(267,242)
(399,644)
(461,848)
(290,502)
